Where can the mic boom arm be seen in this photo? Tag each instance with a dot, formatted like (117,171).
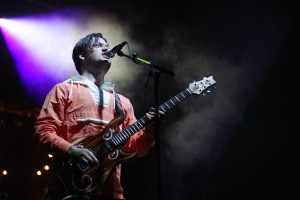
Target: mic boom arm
(142,61)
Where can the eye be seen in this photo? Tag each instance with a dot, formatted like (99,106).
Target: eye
(97,45)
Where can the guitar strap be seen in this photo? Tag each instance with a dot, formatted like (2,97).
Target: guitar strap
(119,106)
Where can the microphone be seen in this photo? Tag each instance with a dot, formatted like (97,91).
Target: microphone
(112,52)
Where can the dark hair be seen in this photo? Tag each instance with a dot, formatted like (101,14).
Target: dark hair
(84,46)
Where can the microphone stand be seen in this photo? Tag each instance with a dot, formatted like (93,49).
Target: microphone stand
(155,72)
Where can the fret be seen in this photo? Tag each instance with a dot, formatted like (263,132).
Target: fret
(117,138)
(140,124)
(175,100)
(167,105)
(133,126)
(143,121)
(172,102)
(133,129)
(114,141)
(162,108)
(125,132)
(120,138)
(130,131)
(182,94)
(123,137)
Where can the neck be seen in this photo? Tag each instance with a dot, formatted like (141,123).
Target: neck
(98,78)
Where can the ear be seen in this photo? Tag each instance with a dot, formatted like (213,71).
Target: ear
(81,57)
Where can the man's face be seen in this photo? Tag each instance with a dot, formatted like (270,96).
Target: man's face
(99,49)
(98,53)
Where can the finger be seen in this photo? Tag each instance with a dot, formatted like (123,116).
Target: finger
(89,156)
(152,109)
(149,116)
(151,113)
(83,159)
(94,159)
(161,112)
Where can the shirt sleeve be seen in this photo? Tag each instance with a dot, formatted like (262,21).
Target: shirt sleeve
(48,126)
(142,141)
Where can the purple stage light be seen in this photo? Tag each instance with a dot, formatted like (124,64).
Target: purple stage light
(41,52)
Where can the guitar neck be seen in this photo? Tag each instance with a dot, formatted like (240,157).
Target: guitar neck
(175,100)
(123,136)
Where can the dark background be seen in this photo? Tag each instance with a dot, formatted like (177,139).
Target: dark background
(247,128)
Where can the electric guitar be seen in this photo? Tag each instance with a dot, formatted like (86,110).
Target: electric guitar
(81,178)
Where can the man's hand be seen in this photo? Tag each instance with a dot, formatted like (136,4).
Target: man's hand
(151,115)
(82,154)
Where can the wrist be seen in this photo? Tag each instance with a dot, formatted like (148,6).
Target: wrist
(150,128)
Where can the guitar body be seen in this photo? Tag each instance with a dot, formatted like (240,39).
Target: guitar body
(81,178)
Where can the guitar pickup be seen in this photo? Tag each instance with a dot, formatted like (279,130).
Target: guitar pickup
(109,146)
(82,167)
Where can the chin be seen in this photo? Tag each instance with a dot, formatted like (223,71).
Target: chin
(106,63)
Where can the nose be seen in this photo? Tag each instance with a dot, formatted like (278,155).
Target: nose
(105,48)
(105,51)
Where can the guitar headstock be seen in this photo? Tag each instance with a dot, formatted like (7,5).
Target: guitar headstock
(202,86)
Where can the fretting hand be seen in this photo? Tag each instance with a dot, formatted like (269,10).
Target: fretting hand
(151,115)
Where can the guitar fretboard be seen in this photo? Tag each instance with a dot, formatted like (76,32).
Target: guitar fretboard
(123,136)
